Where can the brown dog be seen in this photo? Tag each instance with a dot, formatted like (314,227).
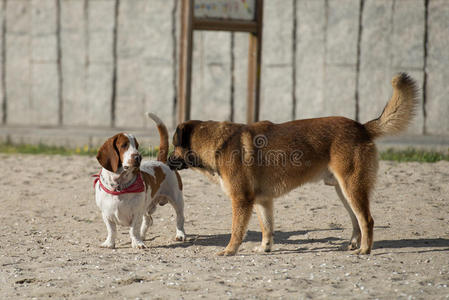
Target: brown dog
(258,162)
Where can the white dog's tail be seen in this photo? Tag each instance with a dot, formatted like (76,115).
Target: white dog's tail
(163,134)
(399,111)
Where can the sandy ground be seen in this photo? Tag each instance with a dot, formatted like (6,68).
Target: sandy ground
(51,230)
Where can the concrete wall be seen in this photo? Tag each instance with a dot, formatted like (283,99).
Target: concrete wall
(102,63)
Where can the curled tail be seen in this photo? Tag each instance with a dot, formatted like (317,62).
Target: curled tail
(399,111)
(163,134)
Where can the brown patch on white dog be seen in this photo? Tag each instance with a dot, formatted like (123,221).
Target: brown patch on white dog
(154,182)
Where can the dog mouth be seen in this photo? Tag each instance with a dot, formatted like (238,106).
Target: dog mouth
(135,164)
(131,167)
(176,163)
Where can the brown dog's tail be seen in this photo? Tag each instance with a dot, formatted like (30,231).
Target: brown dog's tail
(399,111)
(163,134)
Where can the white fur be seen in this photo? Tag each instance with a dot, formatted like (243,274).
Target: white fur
(132,150)
(125,210)
(154,118)
(223,187)
(135,209)
(168,190)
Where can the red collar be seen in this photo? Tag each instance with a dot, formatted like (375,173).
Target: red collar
(137,187)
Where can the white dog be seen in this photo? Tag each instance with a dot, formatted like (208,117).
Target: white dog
(128,191)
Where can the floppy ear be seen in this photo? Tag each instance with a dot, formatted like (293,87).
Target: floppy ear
(177,136)
(108,155)
(182,136)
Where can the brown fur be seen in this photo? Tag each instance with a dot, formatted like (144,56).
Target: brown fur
(163,136)
(110,154)
(154,181)
(262,161)
(163,145)
(178,177)
(399,111)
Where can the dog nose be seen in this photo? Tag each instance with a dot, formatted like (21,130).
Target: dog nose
(176,163)
(170,163)
(137,158)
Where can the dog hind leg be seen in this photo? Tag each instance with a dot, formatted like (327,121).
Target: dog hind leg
(356,172)
(178,205)
(354,242)
(357,195)
(147,221)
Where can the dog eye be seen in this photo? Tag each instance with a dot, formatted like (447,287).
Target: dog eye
(125,145)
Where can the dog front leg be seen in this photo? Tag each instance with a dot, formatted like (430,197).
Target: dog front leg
(241,212)
(112,233)
(264,208)
(134,233)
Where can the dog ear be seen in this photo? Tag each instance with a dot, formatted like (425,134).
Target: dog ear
(181,137)
(108,155)
(177,136)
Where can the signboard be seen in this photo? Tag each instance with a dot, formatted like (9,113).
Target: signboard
(226,15)
(225,9)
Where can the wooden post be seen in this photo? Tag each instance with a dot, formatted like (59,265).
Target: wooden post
(185,61)
(254,68)
(189,23)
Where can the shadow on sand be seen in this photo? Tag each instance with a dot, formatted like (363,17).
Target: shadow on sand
(438,244)
(331,243)
(280,238)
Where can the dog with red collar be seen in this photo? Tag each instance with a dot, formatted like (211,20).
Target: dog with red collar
(128,190)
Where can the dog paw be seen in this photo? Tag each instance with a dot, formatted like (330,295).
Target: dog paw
(138,245)
(352,247)
(262,249)
(108,244)
(180,236)
(226,253)
(361,251)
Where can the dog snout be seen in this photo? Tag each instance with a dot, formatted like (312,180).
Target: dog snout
(176,163)
(137,159)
